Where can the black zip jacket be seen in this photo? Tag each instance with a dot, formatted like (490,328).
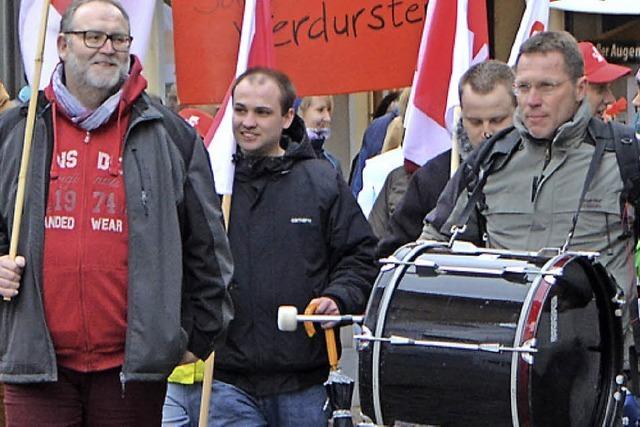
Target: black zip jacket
(296,233)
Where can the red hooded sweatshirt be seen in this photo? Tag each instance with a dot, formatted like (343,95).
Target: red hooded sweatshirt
(85,244)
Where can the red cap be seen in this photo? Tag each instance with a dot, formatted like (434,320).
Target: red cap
(596,68)
(198,119)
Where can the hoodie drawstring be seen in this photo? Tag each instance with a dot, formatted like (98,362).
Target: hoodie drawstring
(115,166)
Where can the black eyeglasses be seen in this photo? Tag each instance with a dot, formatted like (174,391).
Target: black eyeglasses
(96,39)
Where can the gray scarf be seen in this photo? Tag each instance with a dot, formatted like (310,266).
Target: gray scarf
(78,113)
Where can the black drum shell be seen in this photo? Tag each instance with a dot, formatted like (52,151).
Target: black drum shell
(573,377)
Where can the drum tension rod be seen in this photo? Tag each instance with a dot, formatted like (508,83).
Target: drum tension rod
(528,347)
(425,267)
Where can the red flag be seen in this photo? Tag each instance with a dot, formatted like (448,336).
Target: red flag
(256,48)
(534,19)
(140,14)
(61,5)
(455,37)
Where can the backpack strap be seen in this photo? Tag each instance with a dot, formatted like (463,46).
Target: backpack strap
(490,156)
(591,173)
(622,140)
(495,151)
(628,156)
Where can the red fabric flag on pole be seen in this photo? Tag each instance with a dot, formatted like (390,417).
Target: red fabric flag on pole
(534,19)
(256,48)
(140,14)
(455,36)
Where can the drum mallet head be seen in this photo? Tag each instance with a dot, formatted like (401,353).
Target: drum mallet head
(287,318)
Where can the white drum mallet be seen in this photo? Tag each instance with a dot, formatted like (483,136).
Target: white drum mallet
(288,318)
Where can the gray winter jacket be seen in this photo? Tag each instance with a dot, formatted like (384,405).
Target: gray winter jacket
(179,261)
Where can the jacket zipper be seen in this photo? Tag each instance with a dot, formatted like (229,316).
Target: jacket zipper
(143,191)
(82,214)
(135,122)
(537,180)
(547,156)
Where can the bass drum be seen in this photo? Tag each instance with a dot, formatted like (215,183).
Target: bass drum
(481,337)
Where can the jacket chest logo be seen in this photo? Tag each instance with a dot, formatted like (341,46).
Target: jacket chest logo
(301,220)
(592,204)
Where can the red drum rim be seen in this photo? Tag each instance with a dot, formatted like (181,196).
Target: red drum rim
(526,333)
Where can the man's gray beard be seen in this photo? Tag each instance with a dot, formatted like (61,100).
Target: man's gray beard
(88,79)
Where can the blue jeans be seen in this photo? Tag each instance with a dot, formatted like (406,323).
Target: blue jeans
(182,405)
(232,407)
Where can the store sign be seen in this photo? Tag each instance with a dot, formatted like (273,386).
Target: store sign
(620,52)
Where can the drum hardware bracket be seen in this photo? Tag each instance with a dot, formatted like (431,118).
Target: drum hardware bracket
(527,356)
(548,252)
(551,252)
(418,262)
(619,301)
(361,331)
(455,232)
(527,348)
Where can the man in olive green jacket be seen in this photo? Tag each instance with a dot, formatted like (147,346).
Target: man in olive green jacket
(532,193)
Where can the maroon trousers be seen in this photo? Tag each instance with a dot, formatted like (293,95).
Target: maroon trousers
(1,406)
(85,399)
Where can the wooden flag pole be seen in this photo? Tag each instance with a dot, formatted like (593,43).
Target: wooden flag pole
(207,380)
(205,398)
(28,137)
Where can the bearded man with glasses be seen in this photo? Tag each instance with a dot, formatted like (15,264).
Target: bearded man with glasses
(534,174)
(125,262)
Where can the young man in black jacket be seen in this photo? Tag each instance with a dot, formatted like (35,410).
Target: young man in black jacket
(298,237)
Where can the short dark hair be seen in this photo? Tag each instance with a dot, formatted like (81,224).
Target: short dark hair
(485,76)
(384,104)
(287,91)
(556,41)
(67,17)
